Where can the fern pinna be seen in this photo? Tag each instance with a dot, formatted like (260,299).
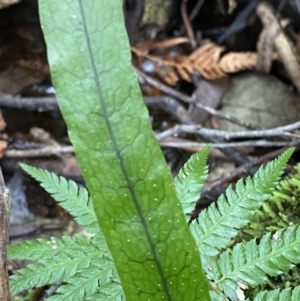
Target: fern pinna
(280,211)
(84,264)
(87,271)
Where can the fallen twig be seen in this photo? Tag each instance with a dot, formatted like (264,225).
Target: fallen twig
(227,135)
(185,98)
(44,151)
(187,24)
(196,146)
(29,103)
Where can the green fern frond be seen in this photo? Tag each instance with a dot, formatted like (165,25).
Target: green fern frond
(190,179)
(88,283)
(277,295)
(280,211)
(219,223)
(59,259)
(252,263)
(69,195)
(51,270)
(79,245)
(109,293)
(217,296)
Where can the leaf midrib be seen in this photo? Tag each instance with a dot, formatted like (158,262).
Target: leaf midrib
(120,159)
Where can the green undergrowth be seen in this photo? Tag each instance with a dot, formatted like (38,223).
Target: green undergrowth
(281,210)
(139,245)
(234,271)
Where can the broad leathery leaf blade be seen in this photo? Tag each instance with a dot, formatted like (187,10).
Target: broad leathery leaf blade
(130,184)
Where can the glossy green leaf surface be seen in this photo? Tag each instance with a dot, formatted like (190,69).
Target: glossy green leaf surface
(130,184)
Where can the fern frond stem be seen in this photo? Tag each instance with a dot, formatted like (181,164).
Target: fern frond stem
(215,288)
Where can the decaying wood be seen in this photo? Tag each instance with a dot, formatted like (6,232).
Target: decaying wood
(4,234)
(265,45)
(273,38)
(288,56)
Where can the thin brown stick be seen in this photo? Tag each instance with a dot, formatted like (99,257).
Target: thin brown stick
(185,98)
(4,235)
(187,24)
(40,104)
(282,131)
(170,105)
(195,146)
(39,152)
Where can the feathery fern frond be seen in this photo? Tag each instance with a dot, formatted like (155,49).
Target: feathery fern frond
(98,280)
(252,263)
(79,245)
(280,210)
(69,195)
(217,296)
(221,221)
(190,179)
(59,259)
(110,294)
(53,268)
(277,295)
(47,272)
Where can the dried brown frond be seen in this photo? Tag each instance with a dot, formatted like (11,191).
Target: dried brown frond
(235,61)
(206,59)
